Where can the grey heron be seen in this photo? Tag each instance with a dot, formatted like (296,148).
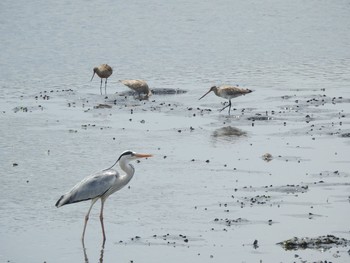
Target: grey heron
(104,71)
(227,92)
(102,184)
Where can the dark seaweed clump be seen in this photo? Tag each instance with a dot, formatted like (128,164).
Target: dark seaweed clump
(322,242)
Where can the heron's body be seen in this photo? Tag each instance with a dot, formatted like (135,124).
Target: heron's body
(104,71)
(140,86)
(100,185)
(228,92)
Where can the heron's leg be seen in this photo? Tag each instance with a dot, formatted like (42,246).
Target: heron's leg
(101,219)
(87,218)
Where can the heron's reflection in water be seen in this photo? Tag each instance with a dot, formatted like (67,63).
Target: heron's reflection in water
(228,133)
(86,259)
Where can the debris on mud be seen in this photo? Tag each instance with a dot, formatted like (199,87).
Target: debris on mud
(26,109)
(267,157)
(164,239)
(258,117)
(156,91)
(167,91)
(336,173)
(345,135)
(321,242)
(255,244)
(229,222)
(102,106)
(86,126)
(287,189)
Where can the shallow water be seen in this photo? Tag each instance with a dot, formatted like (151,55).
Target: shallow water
(208,167)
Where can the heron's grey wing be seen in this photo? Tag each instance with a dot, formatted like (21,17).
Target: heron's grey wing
(89,188)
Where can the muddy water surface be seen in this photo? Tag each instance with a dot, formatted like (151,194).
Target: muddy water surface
(209,194)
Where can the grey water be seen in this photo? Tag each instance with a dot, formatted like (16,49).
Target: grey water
(295,57)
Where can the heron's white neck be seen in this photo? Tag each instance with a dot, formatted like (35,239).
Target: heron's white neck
(127,168)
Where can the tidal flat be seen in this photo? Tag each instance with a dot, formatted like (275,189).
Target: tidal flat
(267,183)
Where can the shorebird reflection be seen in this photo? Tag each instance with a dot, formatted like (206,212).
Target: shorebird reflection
(228,133)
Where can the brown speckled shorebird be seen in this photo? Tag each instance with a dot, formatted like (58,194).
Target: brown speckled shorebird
(104,71)
(227,92)
(140,86)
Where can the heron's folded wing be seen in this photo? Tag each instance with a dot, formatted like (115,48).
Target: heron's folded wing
(91,187)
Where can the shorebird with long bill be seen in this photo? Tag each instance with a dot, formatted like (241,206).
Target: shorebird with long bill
(104,71)
(138,85)
(101,185)
(227,92)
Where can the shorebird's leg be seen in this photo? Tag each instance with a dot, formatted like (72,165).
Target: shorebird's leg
(229,109)
(140,97)
(101,86)
(228,105)
(106,87)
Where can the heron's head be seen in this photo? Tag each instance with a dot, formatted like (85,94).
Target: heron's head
(130,156)
(213,88)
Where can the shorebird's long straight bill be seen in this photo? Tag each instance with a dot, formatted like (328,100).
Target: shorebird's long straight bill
(92,76)
(205,94)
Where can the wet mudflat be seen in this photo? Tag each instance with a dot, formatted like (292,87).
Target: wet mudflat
(207,195)
(268,183)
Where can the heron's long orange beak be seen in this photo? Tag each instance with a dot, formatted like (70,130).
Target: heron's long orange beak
(92,76)
(205,94)
(141,155)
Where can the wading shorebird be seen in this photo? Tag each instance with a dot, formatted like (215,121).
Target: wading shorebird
(100,185)
(227,92)
(140,86)
(104,71)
